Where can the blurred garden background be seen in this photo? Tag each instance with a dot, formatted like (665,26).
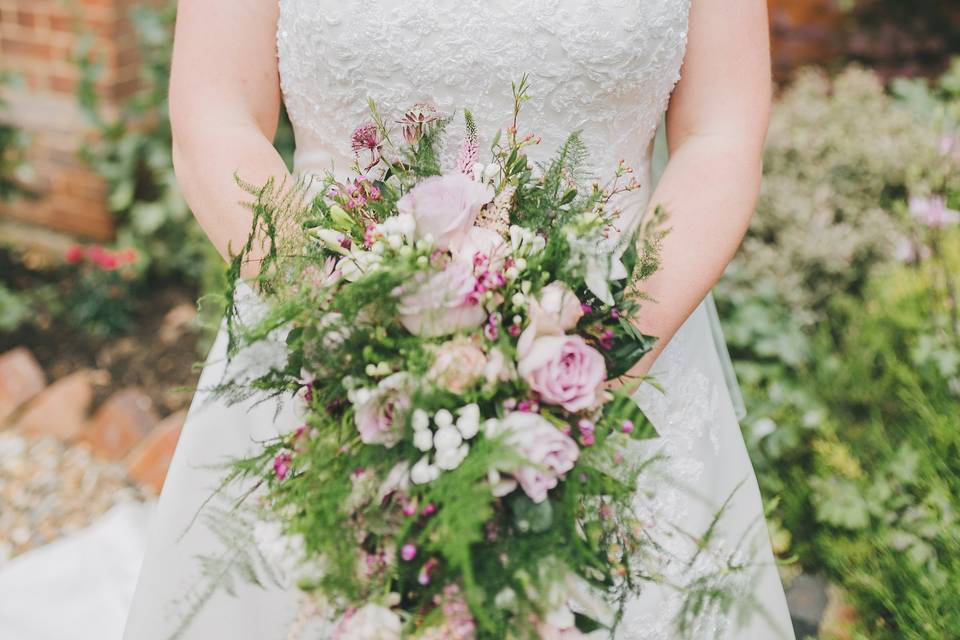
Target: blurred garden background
(841,309)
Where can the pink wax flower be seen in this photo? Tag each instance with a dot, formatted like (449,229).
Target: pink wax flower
(380,419)
(457,622)
(933,211)
(408,552)
(564,370)
(555,310)
(281,465)
(549,452)
(445,207)
(627,426)
(438,304)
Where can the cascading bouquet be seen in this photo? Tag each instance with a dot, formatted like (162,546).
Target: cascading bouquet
(463,470)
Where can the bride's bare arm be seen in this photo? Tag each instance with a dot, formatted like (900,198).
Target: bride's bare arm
(716,126)
(224,109)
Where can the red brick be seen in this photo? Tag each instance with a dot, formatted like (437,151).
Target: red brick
(21,378)
(124,420)
(149,461)
(61,409)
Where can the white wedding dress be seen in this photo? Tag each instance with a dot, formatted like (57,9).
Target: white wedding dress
(606,68)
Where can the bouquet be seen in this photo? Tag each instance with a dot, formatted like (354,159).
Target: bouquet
(463,470)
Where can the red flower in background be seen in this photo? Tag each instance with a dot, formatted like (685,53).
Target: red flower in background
(102,257)
(75,254)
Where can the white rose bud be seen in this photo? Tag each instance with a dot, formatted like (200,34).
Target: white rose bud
(452,458)
(420,420)
(447,438)
(443,418)
(423,440)
(423,472)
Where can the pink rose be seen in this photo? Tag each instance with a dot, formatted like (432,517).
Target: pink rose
(379,418)
(564,370)
(555,310)
(438,304)
(482,242)
(548,450)
(458,364)
(445,207)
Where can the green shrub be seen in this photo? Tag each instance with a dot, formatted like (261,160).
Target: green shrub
(841,312)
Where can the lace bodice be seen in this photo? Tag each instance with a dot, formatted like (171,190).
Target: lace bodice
(606,68)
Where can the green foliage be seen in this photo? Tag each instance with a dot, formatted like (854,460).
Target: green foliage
(132,151)
(848,348)
(13,144)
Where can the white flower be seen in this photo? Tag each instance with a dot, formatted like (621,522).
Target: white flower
(600,260)
(423,440)
(424,472)
(357,264)
(330,240)
(370,622)
(450,459)
(468,424)
(499,485)
(525,242)
(491,428)
(420,420)
(447,438)
(443,418)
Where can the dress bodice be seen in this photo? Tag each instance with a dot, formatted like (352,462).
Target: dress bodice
(605,68)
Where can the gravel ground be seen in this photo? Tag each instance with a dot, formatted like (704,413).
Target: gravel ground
(49,489)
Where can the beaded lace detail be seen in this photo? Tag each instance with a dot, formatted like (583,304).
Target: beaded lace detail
(606,68)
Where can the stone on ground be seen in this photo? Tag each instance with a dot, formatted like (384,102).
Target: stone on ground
(61,409)
(21,378)
(149,461)
(124,420)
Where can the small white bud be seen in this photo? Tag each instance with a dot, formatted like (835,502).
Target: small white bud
(518,299)
(423,261)
(443,418)
(447,438)
(371,370)
(512,273)
(521,264)
(423,440)
(420,420)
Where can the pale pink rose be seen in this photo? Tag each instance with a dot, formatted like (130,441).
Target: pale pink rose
(438,304)
(457,365)
(482,242)
(380,419)
(564,370)
(498,367)
(551,313)
(550,452)
(445,207)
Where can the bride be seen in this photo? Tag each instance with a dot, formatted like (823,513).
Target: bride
(610,69)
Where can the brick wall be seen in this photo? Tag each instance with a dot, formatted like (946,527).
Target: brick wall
(804,32)
(38,39)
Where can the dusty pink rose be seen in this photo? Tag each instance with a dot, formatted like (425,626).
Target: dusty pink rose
(445,207)
(483,243)
(550,453)
(564,370)
(555,310)
(379,420)
(438,304)
(457,364)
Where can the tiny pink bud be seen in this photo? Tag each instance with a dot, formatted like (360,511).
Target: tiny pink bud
(430,509)
(627,426)
(408,552)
